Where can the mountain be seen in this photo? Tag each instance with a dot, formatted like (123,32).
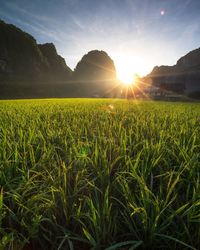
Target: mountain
(96,72)
(31,70)
(95,65)
(55,63)
(21,56)
(184,77)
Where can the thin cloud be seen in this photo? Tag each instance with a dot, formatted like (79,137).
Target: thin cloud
(28,13)
(77,22)
(34,23)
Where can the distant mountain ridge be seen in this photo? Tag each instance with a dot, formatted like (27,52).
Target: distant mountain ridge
(21,56)
(96,74)
(95,65)
(28,69)
(55,63)
(190,60)
(183,77)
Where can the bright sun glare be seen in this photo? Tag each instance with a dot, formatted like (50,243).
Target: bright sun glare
(125,70)
(126,77)
(128,66)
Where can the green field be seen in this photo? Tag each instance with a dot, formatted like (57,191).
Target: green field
(99,174)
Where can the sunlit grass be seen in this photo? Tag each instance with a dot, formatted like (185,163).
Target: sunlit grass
(99,174)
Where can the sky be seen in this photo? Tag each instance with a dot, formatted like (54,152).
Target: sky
(136,34)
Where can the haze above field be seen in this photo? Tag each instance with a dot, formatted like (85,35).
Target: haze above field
(137,34)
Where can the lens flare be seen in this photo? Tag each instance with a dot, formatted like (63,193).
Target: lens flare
(162,12)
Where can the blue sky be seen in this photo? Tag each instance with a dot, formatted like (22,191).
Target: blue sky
(137,34)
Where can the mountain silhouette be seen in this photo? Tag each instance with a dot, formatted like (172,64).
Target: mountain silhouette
(28,69)
(31,70)
(95,65)
(96,73)
(184,77)
(56,65)
(22,57)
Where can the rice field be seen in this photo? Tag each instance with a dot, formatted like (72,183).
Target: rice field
(99,174)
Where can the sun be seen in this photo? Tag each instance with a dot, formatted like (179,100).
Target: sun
(130,66)
(126,77)
(126,69)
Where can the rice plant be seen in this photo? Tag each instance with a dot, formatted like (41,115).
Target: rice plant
(99,174)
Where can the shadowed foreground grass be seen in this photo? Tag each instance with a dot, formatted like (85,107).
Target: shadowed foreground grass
(99,174)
